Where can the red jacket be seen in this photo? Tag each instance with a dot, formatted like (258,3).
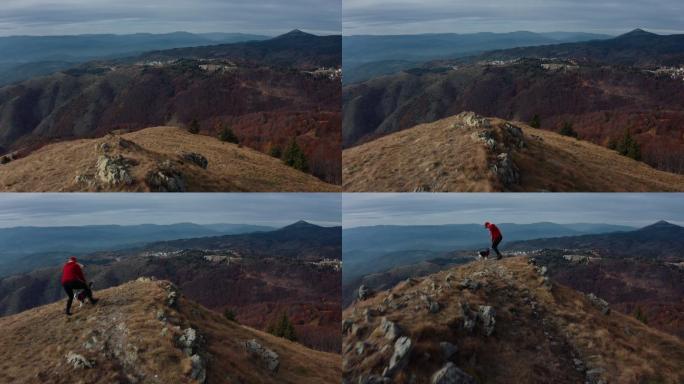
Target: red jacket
(494,231)
(72,272)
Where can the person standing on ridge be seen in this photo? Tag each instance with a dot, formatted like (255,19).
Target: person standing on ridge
(73,279)
(496,238)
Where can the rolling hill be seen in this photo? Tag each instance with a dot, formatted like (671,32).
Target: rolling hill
(269,93)
(158,159)
(500,322)
(147,331)
(470,153)
(603,89)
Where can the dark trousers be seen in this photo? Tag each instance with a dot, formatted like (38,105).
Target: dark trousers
(495,245)
(69,289)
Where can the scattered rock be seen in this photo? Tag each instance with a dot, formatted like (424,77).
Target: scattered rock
(199,370)
(487,314)
(506,171)
(161,316)
(516,134)
(360,347)
(346,325)
(433,307)
(451,374)
(471,119)
(400,357)
(449,350)
(267,357)
(468,318)
(469,284)
(172,298)
(599,303)
(84,179)
(358,330)
(390,329)
(486,137)
(374,379)
(5,159)
(363,293)
(113,170)
(196,159)
(188,341)
(78,361)
(165,178)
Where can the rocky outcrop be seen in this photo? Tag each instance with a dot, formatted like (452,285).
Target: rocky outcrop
(389,329)
(165,178)
(500,142)
(487,317)
(599,303)
(400,357)
(114,170)
(363,292)
(78,361)
(450,374)
(266,357)
(506,171)
(195,158)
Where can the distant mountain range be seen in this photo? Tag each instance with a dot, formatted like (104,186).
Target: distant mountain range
(601,88)
(367,56)
(27,248)
(22,57)
(661,240)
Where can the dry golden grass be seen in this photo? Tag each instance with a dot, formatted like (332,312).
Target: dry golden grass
(445,158)
(437,154)
(35,342)
(525,347)
(231,167)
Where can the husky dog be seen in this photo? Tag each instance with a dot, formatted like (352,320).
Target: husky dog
(80,296)
(483,254)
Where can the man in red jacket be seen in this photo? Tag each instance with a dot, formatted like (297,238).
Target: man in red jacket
(73,278)
(496,238)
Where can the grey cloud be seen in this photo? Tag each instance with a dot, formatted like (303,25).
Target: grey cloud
(36,17)
(465,16)
(275,209)
(424,209)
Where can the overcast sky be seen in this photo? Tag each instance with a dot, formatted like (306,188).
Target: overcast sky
(68,17)
(467,16)
(633,209)
(67,209)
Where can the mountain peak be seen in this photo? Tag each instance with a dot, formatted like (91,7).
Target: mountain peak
(295,33)
(662,224)
(300,224)
(637,33)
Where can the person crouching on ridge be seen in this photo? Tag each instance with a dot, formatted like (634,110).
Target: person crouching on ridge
(73,279)
(496,238)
